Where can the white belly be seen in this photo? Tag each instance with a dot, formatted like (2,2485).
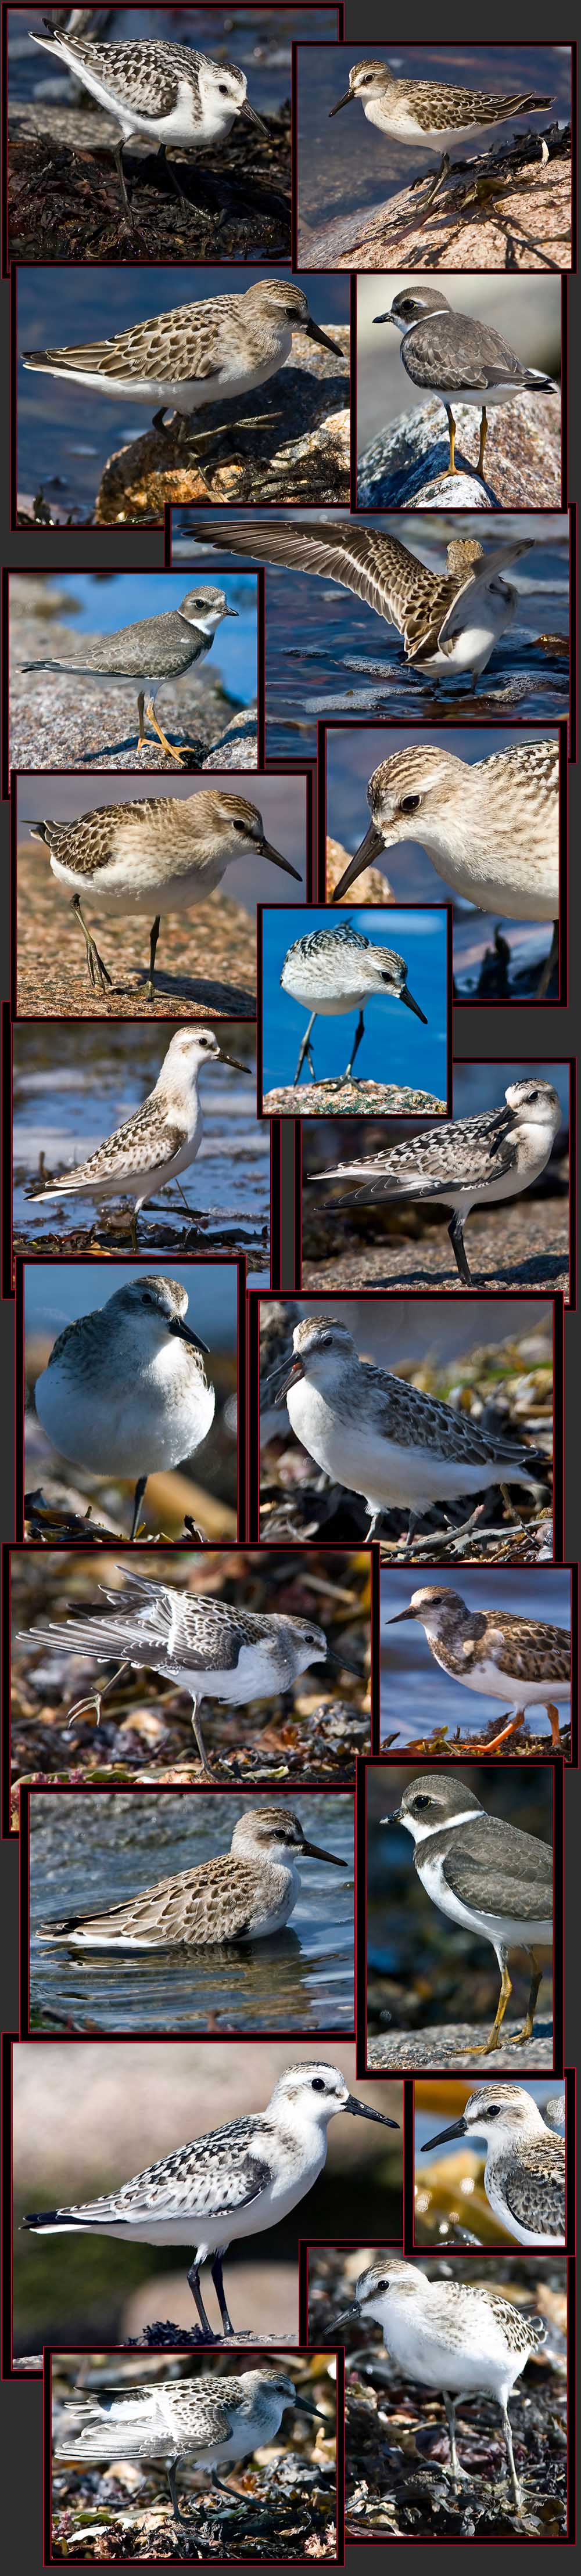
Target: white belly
(479,2365)
(124,1430)
(487,1678)
(130,882)
(377,1467)
(500,1929)
(522,887)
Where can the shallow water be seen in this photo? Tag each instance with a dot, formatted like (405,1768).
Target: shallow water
(416,1694)
(90,1853)
(347,166)
(260,43)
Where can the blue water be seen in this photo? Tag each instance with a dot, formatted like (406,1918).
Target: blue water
(259,41)
(346,165)
(99,603)
(395,1048)
(54,1297)
(416,1694)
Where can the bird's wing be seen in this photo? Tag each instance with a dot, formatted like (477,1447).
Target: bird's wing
(209,2178)
(396,1402)
(360,559)
(477,359)
(505,1873)
(547,2167)
(513,1649)
(143,1141)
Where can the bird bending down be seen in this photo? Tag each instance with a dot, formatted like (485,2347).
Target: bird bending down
(169,93)
(203,2421)
(459,2339)
(449,622)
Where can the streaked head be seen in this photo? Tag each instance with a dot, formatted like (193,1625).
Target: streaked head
(188,1052)
(280,2384)
(387,2275)
(222,90)
(535,1104)
(282,301)
(406,796)
(494,2111)
(277,1832)
(321,1348)
(159,1306)
(236,826)
(366,81)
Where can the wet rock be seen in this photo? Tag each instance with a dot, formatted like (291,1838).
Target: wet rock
(291,445)
(406,467)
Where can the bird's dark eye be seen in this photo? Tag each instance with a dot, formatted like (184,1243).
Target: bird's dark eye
(420,1802)
(223,89)
(408,804)
(241,827)
(495,2111)
(318,2084)
(382,2285)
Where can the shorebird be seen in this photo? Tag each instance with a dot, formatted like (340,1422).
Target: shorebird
(434,113)
(449,622)
(155,854)
(462,2340)
(209,2423)
(384,1439)
(158,1142)
(169,93)
(223,346)
(484,1874)
(461,360)
(339,970)
(470,1162)
(153,650)
(524,2174)
(496,1653)
(125,1391)
(204,1646)
(490,827)
(245,1894)
(230,2183)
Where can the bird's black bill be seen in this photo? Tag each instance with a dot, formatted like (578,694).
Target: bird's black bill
(231,612)
(401,1614)
(281,1380)
(363,2111)
(313,1851)
(457,2129)
(405,996)
(251,117)
(382,317)
(341,102)
(305,2409)
(265,851)
(349,2316)
(185,1334)
(394,1817)
(234,1060)
(369,850)
(344,1663)
(312,332)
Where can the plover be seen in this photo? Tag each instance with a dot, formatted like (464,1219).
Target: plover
(245,1894)
(461,2339)
(204,1646)
(449,622)
(490,827)
(222,347)
(125,1391)
(339,970)
(231,2183)
(153,650)
(461,360)
(155,854)
(484,1874)
(524,2174)
(209,2423)
(433,113)
(159,1141)
(169,93)
(383,1438)
(469,1163)
(497,1653)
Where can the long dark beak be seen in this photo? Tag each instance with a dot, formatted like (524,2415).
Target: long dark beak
(281,1378)
(369,850)
(313,1851)
(342,102)
(185,1334)
(458,2129)
(266,851)
(305,2409)
(363,2111)
(312,332)
(231,612)
(407,997)
(344,1662)
(382,317)
(251,116)
(349,2315)
(234,1060)
(401,1614)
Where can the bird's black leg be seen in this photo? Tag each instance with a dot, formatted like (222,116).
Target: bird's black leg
(137,1502)
(171,2466)
(359,1034)
(456,1233)
(117,153)
(194,2283)
(153,940)
(216,2271)
(550,965)
(97,971)
(305,1050)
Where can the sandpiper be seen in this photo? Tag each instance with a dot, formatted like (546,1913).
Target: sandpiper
(433,113)
(490,827)
(449,622)
(462,361)
(159,1141)
(204,1646)
(125,1391)
(230,2183)
(469,1163)
(155,854)
(484,1874)
(462,2339)
(244,1895)
(383,1438)
(497,1653)
(340,970)
(225,346)
(170,93)
(208,2422)
(151,651)
(524,2174)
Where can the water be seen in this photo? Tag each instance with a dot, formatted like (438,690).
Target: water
(395,1048)
(73,1087)
(350,663)
(93,1852)
(259,43)
(100,604)
(416,1694)
(347,167)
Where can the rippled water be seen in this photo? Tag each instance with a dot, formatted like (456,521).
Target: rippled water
(260,42)
(416,1694)
(346,165)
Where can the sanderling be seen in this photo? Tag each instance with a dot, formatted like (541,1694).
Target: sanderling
(496,1652)
(125,1391)
(207,2422)
(461,360)
(491,827)
(483,1873)
(156,854)
(202,1645)
(449,622)
(462,2339)
(524,2174)
(151,651)
(225,346)
(469,1163)
(231,2183)
(433,113)
(170,93)
(339,970)
(243,1895)
(159,1141)
(383,1438)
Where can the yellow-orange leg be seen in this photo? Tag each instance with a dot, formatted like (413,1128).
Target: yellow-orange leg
(484,2048)
(511,1728)
(452,466)
(553,1717)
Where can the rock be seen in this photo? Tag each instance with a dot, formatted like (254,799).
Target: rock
(297,448)
(475,222)
(370,1099)
(372,887)
(263,2298)
(456,2044)
(239,741)
(55,725)
(406,467)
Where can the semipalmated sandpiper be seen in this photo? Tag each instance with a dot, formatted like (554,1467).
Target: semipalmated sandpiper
(497,1653)
(491,827)
(472,1162)
(339,970)
(449,622)
(159,1141)
(524,2174)
(245,1894)
(209,2423)
(461,360)
(125,1391)
(458,2338)
(168,93)
(436,114)
(155,854)
(223,346)
(486,1875)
